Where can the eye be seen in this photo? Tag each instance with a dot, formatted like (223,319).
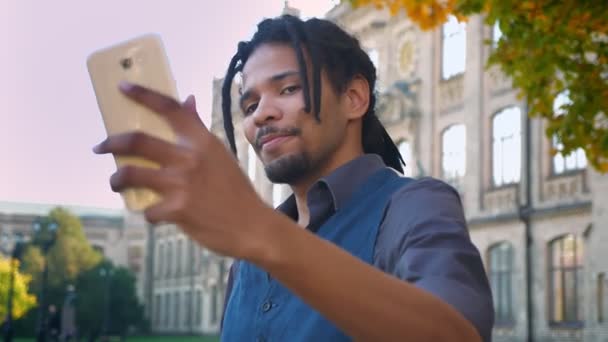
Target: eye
(290,90)
(251,108)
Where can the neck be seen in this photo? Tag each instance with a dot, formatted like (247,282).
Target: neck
(301,188)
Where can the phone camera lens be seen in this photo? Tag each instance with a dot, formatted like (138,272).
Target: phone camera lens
(126,63)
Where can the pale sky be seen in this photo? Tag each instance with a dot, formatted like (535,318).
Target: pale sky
(49,120)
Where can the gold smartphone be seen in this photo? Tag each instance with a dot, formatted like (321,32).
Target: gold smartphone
(142,61)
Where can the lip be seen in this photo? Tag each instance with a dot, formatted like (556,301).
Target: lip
(271,142)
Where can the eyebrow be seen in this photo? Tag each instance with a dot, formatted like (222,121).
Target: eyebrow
(273,79)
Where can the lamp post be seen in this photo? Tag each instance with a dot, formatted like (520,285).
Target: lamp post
(45,232)
(17,241)
(106,272)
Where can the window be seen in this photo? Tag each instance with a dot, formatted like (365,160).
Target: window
(157,309)
(188,309)
(179,257)
(214,306)
(199,305)
(500,272)
(169,261)
(98,249)
(506,146)
(496,34)
(190,257)
(406,153)
(576,160)
(601,279)
(566,280)
(251,163)
(453,158)
(277,196)
(160,260)
(454,48)
(176,307)
(166,310)
(374,56)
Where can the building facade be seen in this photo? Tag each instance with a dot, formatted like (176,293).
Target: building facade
(119,238)
(538,220)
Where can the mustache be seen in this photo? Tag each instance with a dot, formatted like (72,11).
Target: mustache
(264,131)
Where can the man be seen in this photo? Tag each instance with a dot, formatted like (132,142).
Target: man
(358,252)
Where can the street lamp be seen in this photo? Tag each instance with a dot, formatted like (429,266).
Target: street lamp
(107,274)
(17,241)
(45,232)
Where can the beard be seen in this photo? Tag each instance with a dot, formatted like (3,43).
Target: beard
(289,169)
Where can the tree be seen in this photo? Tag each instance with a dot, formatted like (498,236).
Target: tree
(111,288)
(70,255)
(548,48)
(22,300)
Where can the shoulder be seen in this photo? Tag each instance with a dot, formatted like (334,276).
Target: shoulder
(424,191)
(422,201)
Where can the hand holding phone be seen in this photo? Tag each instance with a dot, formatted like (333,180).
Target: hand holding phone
(141,61)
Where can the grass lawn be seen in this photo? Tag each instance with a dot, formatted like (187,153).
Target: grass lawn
(156,339)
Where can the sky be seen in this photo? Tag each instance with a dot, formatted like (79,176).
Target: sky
(49,119)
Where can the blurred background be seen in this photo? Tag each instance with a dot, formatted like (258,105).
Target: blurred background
(504,100)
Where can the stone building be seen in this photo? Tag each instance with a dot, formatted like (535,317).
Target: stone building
(538,220)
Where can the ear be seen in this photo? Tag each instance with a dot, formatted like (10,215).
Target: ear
(356,98)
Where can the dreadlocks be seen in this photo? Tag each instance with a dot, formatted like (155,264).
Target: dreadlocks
(331,49)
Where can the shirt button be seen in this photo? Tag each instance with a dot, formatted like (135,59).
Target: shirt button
(266,306)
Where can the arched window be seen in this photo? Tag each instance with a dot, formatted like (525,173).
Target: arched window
(501,277)
(176,310)
(496,33)
(169,262)
(166,309)
(214,304)
(374,56)
(179,257)
(405,148)
(454,48)
(576,160)
(453,154)
(566,280)
(157,310)
(160,256)
(199,305)
(506,146)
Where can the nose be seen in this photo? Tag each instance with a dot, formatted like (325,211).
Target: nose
(267,111)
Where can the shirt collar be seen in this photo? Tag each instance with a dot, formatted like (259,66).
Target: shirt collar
(334,190)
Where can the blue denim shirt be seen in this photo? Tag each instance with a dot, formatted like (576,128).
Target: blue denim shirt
(422,239)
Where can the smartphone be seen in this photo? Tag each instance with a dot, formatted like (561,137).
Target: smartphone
(142,61)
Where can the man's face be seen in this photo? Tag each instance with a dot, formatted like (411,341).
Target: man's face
(290,142)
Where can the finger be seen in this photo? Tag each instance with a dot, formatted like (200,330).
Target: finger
(164,211)
(164,105)
(143,145)
(190,106)
(158,180)
(190,103)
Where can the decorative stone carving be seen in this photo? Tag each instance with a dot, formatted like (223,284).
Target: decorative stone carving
(500,200)
(564,188)
(451,94)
